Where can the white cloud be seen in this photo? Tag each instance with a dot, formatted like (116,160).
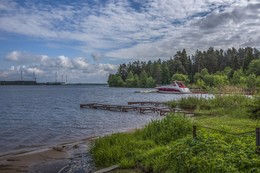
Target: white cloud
(78,69)
(116,29)
(13,56)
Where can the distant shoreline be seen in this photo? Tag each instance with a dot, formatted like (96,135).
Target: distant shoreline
(19,82)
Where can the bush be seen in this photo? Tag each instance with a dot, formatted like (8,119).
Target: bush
(170,128)
(113,149)
(213,152)
(254,108)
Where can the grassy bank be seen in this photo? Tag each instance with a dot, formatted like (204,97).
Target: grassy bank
(167,145)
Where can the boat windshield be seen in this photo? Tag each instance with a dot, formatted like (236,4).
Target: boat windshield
(180,84)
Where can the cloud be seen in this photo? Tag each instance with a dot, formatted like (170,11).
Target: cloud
(96,56)
(127,29)
(20,57)
(13,56)
(44,67)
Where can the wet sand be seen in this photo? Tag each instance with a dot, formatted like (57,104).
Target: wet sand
(73,157)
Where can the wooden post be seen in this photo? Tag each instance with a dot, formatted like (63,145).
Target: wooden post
(194,131)
(258,140)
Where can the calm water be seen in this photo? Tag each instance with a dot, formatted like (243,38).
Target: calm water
(33,117)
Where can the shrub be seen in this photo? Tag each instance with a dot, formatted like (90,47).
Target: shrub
(170,128)
(254,108)
(110,150)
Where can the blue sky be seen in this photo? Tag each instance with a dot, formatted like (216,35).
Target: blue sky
(86,40)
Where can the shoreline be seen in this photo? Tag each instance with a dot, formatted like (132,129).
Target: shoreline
(60,158)
(67,156)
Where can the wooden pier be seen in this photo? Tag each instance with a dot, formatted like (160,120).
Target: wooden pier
(140,109)
(125,108)
(156,104)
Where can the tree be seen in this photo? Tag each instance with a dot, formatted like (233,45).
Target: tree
(179,68)
(251,81)
(254,67)
(143,79)
(201,84)
(130,80)
(209,80)
(220,80)
(180,77)
(208,66)
(157,73)
(198,61)
(150,82)
(122,71)
(211,60)
(228,71)
(165,74)
(115,80)
(249,56)
(136,80)
(238,77)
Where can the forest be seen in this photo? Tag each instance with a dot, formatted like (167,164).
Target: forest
(210,68)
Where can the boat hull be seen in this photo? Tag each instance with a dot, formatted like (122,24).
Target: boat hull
(169,91)
(173,89)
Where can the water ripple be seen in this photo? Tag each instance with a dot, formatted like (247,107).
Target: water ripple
(36,116)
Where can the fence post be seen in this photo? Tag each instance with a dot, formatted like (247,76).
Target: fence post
(258,140)
(194,131)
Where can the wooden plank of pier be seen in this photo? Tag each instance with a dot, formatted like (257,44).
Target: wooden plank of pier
(142,103)
(141,109)
(125,108)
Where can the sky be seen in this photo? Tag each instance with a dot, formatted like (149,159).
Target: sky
(86,40)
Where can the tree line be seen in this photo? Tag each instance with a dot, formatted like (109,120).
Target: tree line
(212,68)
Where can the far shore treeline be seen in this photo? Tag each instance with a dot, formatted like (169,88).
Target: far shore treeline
(211,68)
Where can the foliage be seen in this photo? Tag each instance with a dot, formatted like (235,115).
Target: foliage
(254,108)
(130,81)
(113,149)
(115,81)
(180,77)
(143,79)
(190,102)
(211,68)
(167,146)
(150,83)
(232,105)
(168,129)
(201,84)
(254,67)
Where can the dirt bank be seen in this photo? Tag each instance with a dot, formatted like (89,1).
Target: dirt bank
(67,157)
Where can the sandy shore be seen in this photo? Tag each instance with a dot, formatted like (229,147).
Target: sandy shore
(66,157)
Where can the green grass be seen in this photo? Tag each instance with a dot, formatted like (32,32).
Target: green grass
(227,123)
(167,145)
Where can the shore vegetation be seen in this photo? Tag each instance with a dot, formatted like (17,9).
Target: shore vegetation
(225,139)
(213,70)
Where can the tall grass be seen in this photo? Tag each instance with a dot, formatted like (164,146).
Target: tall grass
(117,148)
(166,145)
(168,129)
(233,105)
(113,149)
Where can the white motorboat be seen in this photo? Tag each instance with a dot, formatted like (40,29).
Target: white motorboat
(177,87)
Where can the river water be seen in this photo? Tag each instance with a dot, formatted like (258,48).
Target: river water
(33,117)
